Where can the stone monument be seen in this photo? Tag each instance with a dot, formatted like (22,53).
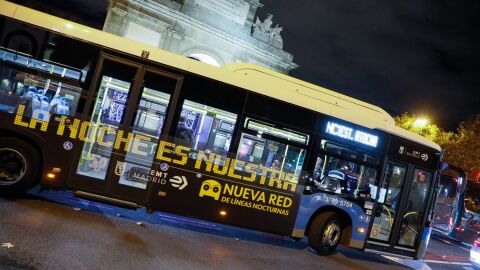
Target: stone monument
(217,32)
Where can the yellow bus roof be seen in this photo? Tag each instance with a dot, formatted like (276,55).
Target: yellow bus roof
(248,76)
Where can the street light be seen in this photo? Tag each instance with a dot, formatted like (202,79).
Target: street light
(420,122)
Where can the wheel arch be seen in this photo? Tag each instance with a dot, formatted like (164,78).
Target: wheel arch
(32,139)
(344,216)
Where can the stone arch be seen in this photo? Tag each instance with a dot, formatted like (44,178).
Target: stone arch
(204,56)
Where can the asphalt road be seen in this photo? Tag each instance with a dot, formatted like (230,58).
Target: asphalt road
(54,230)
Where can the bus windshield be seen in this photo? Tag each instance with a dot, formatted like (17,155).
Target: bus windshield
(447,190)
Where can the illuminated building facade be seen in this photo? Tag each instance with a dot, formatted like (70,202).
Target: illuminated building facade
(212,31)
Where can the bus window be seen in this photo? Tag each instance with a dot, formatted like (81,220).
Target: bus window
(341,170)
(148,124)
(205,128)
(269,148)
(414,208)
(270,154)
(40,95)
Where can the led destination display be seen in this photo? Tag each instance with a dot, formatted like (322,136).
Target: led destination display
(351,134)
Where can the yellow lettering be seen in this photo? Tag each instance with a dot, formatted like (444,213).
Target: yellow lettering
(181,151)
(246,193)
(162,149)
(137,142)
(233,164)
(276,177)
(250,168)
(72,127)
(83,132)
(272,199)
(208,160)
(19,116)
(288,202)
(101,136)
(293,186)
(291,177)
(216,166)
(120,139)
(291,180)
(263,174)
(262,197)
(34,122)
(228,189)
(279,200)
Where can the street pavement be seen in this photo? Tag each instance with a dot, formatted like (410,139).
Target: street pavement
(55,230)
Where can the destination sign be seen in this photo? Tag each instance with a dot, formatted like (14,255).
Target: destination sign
(351,134)
(413,153)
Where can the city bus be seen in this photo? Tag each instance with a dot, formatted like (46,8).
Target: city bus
(457,207)
(450,201)
(119,122)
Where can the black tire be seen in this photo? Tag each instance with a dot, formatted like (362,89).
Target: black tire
(15,153)
(325,233)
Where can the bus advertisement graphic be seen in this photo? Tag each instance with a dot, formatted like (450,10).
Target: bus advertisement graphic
(255,197)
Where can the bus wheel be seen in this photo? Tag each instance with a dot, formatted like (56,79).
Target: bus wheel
(325,233)
(19,166)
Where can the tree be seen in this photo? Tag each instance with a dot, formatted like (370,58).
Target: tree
(461,148)
(425,129)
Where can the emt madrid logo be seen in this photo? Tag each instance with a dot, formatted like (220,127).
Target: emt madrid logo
(210,188)
(119,168)
(179,182)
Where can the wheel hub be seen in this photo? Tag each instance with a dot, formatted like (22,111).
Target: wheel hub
(13,166)
(331,235)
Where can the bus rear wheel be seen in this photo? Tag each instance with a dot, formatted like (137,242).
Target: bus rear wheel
(325,233)
(19,166)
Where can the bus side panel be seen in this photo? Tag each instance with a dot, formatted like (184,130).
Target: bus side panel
(223,199)
(311,204)
(422,249)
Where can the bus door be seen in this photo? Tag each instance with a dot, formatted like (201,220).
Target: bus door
(400,213)
(128,115)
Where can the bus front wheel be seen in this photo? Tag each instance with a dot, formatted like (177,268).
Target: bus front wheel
(19,166)
(325,233)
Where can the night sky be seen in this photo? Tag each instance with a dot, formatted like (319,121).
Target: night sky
(417,56)
(420,56)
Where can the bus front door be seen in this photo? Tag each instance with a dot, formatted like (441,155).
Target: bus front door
(398,220)
(129,111)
